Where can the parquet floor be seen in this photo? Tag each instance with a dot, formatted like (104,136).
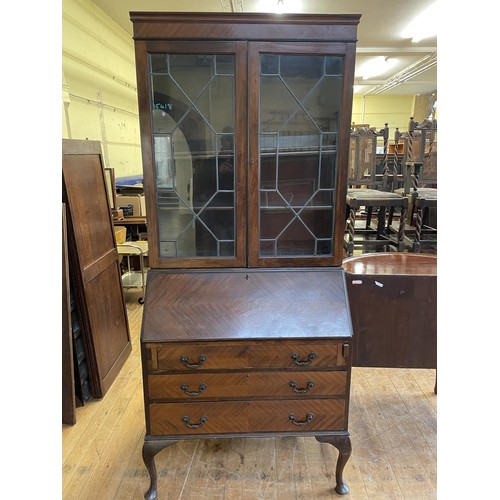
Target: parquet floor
(393,427)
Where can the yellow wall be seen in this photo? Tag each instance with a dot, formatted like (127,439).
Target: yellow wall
(376,110)
(99,93)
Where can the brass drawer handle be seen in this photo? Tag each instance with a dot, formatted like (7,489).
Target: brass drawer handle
(201,388)
(308,387)
(185,419)
(185,361)
(294,420)
(296,360)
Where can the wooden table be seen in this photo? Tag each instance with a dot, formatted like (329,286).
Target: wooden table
(393,303)
(134,223)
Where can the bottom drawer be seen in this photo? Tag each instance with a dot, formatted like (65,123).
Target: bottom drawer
(247,417)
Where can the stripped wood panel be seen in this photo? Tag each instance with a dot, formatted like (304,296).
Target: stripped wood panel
(392,425)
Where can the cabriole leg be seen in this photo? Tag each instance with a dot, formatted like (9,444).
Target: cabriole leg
(149,450)
(343,444)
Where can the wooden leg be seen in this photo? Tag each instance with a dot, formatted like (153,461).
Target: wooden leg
(390,218)
(343,444)
(350,230)
(418,230)
(149,450)
(369,213)
(381,221)
(401,230)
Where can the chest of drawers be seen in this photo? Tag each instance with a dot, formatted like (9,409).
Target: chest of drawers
(246,352)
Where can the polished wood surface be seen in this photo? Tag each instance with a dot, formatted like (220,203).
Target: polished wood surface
(241,321)
(392,264)
(393,303)
(245,304)
(94,262)
(249,385)
(249,353)
(393,427)
(251,26)
(237,323)
(130,221)
(233,417)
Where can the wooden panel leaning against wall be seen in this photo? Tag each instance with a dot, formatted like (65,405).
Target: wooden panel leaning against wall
(68,385)
(94,259)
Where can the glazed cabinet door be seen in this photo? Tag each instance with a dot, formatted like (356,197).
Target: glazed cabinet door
(300,102)
(194,151)
(203,100)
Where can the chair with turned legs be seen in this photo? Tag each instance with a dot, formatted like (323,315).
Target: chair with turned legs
(368,191)
(420,184)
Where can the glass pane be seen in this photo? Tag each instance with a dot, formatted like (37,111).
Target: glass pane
(299,114)
(269,65)
(159,63)
(221,89)
(193,124)
(192,73)
(333,65)
(274,222)
(323,103)
(224,65)
(296,238)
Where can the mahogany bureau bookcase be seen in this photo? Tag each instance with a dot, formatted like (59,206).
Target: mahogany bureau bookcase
(245,122)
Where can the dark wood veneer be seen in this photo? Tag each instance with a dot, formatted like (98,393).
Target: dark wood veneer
(246,352)
(245,304)
(94,261)
(195,26)
(248,345)
(393,300)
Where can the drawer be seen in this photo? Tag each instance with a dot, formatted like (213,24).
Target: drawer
(191,386)
(269,355)
(247,417)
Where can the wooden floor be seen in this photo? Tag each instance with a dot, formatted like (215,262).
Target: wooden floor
(392,425)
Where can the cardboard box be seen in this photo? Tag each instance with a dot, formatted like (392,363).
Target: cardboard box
(120,234)
(117,213)
(136,200)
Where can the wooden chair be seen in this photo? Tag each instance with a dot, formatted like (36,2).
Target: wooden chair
(396,173)
(420,183)
(369,190)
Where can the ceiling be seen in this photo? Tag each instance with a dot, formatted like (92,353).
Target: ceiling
(379,34)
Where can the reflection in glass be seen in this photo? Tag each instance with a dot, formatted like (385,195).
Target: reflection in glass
(193,128)
(299,115)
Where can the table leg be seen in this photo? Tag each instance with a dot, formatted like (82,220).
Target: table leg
(149,450)
(343,444)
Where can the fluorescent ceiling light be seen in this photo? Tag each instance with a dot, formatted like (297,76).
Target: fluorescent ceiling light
(423,26)
(279,6)
(375,67)
(361,89)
